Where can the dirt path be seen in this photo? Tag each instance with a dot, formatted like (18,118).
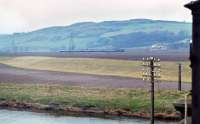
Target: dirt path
(16,75)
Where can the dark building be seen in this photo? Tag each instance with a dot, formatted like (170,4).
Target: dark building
(195,60)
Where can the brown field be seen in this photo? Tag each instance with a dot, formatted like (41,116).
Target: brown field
(27,76)
(81,82)
(94,66)
(131,55)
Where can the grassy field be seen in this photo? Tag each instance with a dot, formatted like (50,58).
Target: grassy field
(103,98)
(122,68)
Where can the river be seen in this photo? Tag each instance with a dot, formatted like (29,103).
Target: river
(22,117)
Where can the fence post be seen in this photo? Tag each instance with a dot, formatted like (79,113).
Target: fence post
(179,76)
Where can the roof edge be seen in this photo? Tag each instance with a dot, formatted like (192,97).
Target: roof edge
(193,5)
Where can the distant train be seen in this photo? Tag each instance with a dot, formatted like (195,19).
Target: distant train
(115,50)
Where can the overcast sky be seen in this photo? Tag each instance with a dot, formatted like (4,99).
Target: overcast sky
(28,15)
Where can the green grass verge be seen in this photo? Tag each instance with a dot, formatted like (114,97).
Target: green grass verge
(103,98)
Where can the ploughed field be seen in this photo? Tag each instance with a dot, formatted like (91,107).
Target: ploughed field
(130,55)
(99,67)
(89,84)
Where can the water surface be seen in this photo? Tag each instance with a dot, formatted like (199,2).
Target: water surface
(22,117)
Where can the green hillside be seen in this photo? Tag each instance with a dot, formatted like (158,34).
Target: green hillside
(107,35)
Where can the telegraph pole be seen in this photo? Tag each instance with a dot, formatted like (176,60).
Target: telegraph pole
(152,89)
(151,71)
(71,43)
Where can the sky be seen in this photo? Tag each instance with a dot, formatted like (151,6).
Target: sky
(29,15)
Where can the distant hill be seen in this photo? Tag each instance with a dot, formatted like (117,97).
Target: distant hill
(108,35)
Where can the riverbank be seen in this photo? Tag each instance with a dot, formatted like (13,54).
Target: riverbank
(56,109)
(83,101)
